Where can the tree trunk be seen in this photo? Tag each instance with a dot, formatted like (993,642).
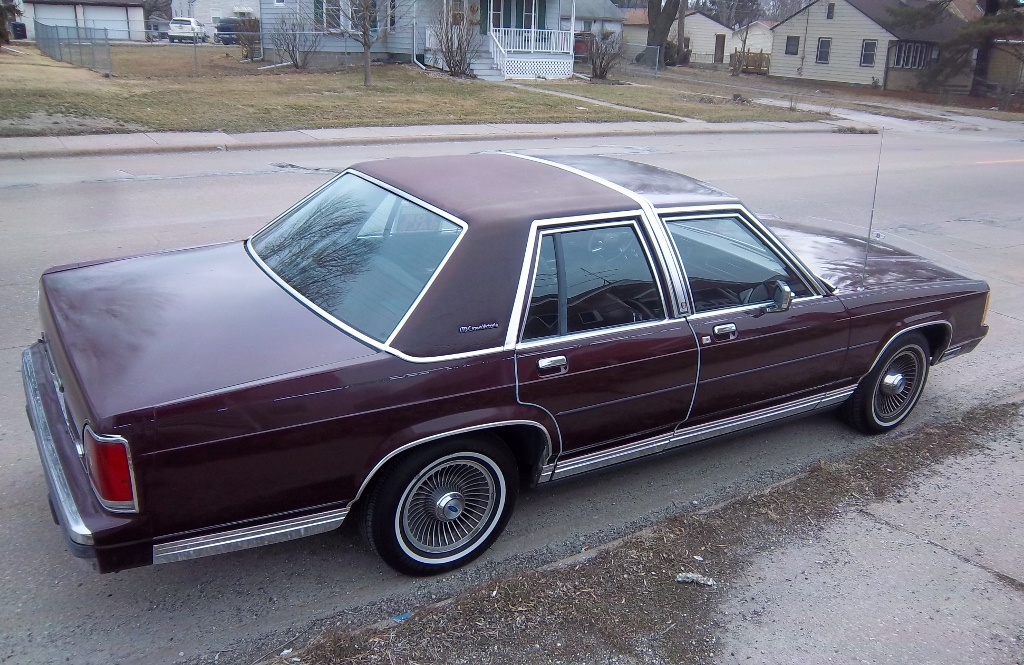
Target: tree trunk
(366,64)
(979,82)
(659,22)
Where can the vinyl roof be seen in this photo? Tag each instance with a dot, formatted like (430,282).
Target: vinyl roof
(499,196)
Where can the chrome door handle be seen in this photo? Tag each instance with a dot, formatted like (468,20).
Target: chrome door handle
(552,362)
(725,329)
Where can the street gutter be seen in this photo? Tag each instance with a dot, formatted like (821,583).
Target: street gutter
(37,147)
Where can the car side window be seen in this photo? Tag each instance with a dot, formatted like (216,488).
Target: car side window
(728,265)
(591,279)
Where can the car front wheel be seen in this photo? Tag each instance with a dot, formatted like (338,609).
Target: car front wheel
(441,506)
(889,392)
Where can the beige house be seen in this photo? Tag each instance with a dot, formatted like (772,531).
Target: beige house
(758,35)
(709,40)
(857,42)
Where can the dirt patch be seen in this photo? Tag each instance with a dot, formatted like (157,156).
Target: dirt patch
(58,124)
(622,603)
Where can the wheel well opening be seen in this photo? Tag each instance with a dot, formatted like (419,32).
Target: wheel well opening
(938,339)
(529,445)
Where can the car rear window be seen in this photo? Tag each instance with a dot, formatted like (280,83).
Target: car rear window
(181,21)
(358,252)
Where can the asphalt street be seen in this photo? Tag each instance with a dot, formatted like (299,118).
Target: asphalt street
(948,191)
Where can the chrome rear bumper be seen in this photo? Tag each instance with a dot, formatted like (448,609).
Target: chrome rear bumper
(60,491)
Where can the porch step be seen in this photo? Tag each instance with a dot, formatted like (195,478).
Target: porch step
(483,67)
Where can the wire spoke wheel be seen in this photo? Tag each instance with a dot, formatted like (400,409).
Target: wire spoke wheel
(449,505)
(898,385)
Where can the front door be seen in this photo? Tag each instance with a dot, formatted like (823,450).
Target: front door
(753,357)
(597,350)
(719,48)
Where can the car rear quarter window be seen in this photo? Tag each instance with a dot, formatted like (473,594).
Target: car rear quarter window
(358,252)
(727,265)
(591,279)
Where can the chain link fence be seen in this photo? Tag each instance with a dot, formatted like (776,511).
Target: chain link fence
(641,59)
(85,47)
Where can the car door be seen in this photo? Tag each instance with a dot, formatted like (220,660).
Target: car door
(597,348)
(752,353)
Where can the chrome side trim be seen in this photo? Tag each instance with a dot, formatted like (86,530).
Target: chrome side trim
(727,312)
(251,536)
(72,520)
(684,436)
(653,225)
(936,356)
(443,435)
(113,506)
(545,473)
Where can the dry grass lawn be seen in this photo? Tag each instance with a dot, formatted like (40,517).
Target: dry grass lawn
(154,87)
(667,96)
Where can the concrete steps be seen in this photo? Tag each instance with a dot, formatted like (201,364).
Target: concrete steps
(483,67)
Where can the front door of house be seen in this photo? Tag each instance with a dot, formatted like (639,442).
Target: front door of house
(719,48)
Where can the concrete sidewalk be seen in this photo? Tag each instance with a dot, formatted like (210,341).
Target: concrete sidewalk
(154,142)
(934,574)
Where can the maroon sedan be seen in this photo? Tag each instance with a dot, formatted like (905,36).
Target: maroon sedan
(419,339)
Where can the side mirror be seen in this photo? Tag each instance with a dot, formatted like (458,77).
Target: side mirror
(783,297)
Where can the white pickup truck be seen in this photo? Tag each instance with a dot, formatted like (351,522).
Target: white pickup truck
(186,30)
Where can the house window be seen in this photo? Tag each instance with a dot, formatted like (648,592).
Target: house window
(792,45)
(588,26)
(912,55)
(830,13)
(278,2)
(824,50)
(867,52)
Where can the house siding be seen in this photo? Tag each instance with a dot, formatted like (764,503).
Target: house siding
(397,44)
(702,31)
(759,38)
(848,29)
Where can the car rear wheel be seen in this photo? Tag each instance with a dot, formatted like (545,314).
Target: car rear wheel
(887,395)
(439,507)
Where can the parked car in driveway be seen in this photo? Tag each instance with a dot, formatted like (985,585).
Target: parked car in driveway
(227,31)
(186,30)
(419,339)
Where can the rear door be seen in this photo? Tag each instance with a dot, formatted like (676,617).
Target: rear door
(597,349)
(751,356)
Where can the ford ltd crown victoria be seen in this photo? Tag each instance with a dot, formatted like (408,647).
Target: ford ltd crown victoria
(419,340)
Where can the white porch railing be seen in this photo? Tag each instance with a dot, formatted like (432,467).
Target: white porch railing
(525,40)
(498,53)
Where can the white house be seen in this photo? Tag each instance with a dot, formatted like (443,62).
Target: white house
(857,42)
(122,18)
(210,12)
(518,38)
(758,36)
(593,16)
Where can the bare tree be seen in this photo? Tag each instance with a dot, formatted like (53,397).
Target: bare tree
(457,34)
(605,53)
(366,22)
(249,37)
(296,37)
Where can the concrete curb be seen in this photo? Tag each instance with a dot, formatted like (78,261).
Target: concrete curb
(42,147)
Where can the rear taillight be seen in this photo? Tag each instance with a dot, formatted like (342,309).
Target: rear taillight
(110,469)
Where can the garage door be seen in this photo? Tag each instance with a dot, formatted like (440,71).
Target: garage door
(55,14)
(114,19)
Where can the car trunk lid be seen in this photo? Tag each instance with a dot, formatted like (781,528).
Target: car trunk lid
(136,333)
